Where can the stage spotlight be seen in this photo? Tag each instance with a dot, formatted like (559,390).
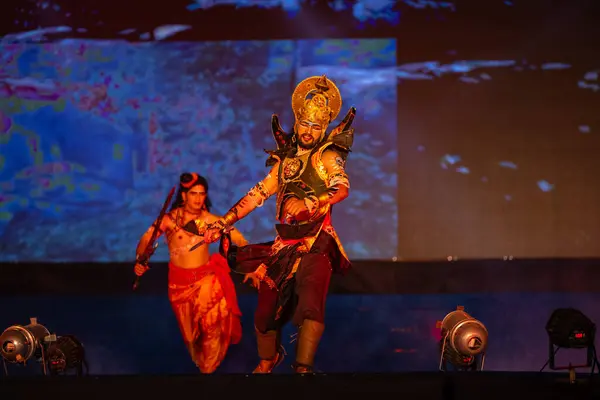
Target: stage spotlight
(569,328)
(18,344)
(463,343)
(66,354)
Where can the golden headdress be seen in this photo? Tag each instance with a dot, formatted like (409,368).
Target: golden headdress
(316,99)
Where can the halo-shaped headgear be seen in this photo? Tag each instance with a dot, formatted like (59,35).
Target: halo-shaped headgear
(316,99)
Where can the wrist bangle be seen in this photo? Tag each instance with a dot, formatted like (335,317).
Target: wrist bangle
(230,218)
(323,199)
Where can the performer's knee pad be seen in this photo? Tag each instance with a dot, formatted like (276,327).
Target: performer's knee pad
(313,315)
(260,328)
(264,325)
(308,314)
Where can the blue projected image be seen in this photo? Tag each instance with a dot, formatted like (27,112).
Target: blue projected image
(95,133)
(43,20)
(362,10)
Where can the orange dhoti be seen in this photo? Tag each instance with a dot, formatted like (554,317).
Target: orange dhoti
(205,304)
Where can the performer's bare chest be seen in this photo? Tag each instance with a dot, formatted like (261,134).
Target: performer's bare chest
(186,228)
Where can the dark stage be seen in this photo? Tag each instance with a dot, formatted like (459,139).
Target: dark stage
(381,317)
(465,386)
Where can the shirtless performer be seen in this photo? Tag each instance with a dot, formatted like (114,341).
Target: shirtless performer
(201,291)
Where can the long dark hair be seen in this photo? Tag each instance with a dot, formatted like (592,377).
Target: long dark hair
(188,180)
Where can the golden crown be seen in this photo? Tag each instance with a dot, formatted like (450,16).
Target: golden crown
(324,104)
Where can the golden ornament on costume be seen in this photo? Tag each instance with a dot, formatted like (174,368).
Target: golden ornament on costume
(291,166)
(324,105)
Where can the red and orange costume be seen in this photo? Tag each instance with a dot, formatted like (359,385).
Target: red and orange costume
(203,298)
(205,305)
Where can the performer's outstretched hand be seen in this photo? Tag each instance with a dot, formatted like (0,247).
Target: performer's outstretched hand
(140,269)
(212,235)
(214,232)
(254,281)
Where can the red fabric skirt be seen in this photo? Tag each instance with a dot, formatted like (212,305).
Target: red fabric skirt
(205,304)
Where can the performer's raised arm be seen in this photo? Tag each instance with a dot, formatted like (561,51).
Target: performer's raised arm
(143,243)
(166,222)
(255,198)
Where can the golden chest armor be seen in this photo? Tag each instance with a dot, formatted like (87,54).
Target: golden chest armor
(294,167)
(299,178)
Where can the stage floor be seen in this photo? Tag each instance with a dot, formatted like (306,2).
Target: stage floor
(463,386)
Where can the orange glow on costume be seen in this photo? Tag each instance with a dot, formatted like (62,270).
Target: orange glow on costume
(205,305)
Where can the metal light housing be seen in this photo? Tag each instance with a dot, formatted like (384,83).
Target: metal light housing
(19,344)
(464,338)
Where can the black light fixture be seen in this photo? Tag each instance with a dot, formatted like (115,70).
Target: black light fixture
(463,343)
(569,328)
(66,354)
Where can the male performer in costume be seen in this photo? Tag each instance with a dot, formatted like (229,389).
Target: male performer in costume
(292,273)
(201,291)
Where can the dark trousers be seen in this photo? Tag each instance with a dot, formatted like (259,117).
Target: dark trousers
(308,302)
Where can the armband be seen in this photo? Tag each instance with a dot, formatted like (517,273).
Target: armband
(259,194)
(230,217)
(338,178)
